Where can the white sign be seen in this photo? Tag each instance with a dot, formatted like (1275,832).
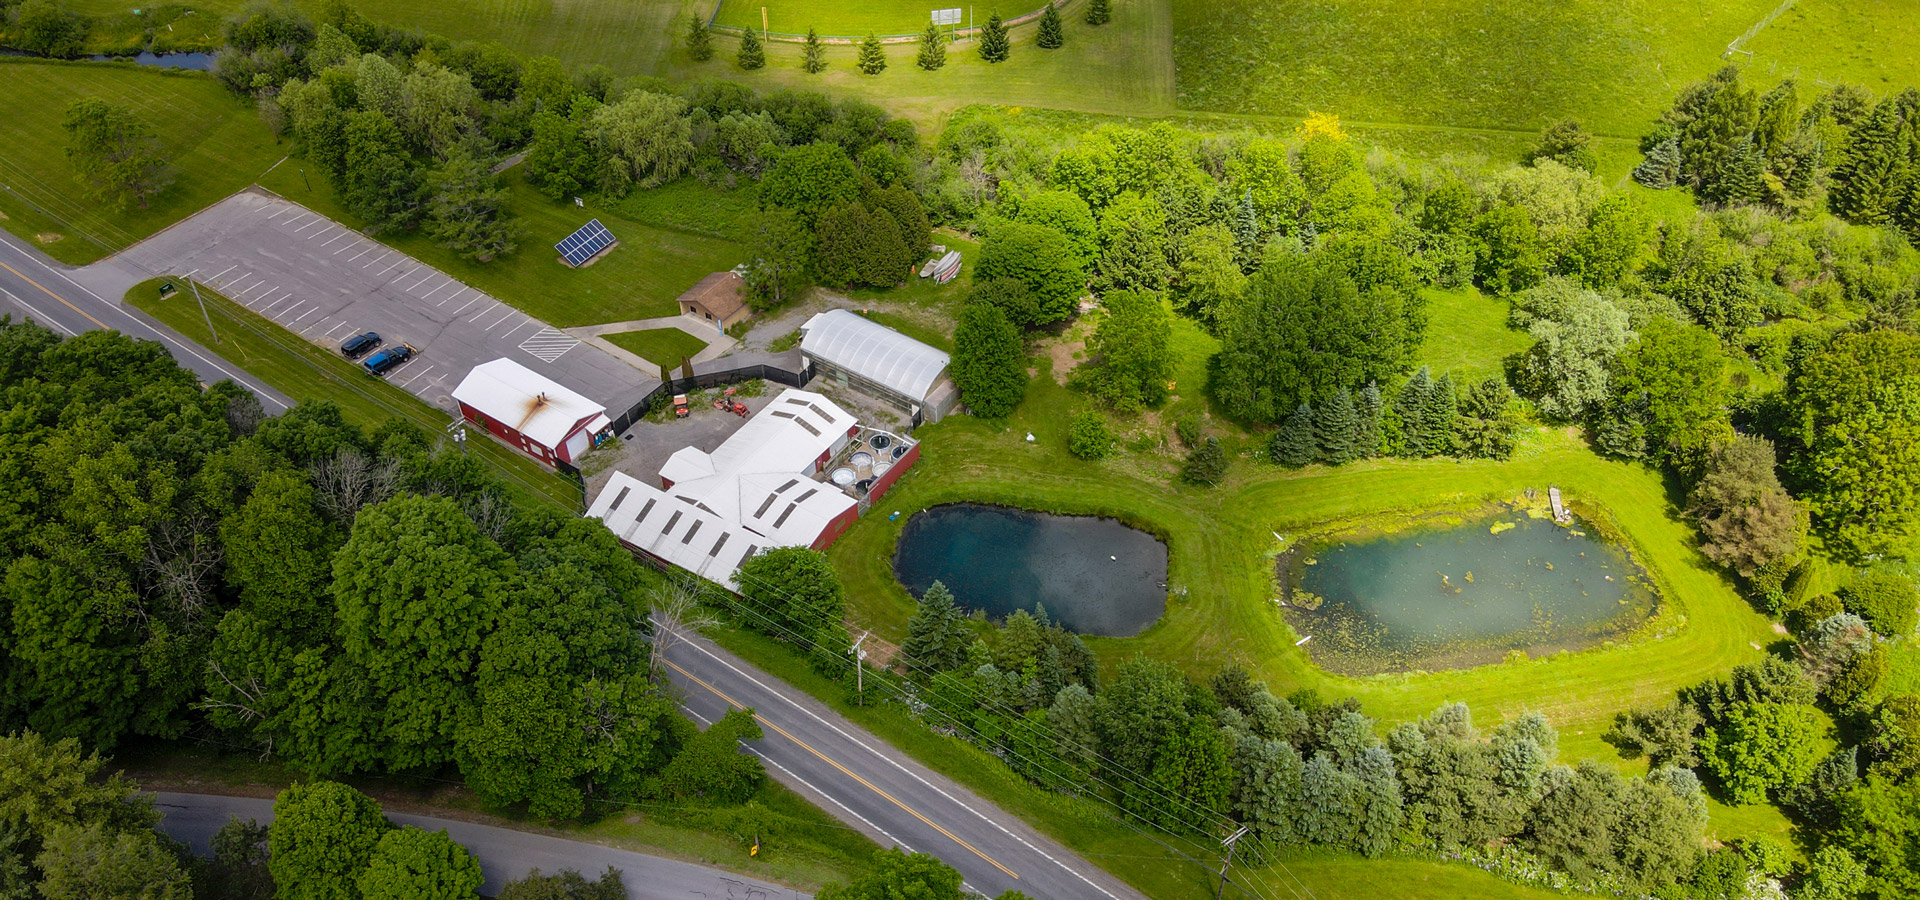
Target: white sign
(947,16)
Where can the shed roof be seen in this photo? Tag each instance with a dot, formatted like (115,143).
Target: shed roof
(719,294)
(525,400)
(841,338)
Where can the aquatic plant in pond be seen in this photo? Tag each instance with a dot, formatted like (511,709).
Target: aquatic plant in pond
(1092,575)
(1460,596)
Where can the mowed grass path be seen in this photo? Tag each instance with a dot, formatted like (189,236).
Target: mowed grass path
(215,143)
(1222,542)
(639,279)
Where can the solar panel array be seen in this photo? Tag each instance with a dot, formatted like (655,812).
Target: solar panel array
(581,245)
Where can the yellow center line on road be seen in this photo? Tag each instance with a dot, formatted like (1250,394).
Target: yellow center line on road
(63,300)
(845,771)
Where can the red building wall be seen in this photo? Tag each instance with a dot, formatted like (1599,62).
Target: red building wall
(900,467)
(507,435)
(836,528)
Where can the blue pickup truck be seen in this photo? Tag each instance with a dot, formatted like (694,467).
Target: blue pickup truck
(383,362)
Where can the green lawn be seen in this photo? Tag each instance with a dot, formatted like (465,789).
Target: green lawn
(660,346)
(303,371)
(1467,335)
(638,279)
(1905,678)
(1222,541)
(215,142)
(848,18)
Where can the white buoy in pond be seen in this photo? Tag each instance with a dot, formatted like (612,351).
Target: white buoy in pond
(1114,558)
(1303,640)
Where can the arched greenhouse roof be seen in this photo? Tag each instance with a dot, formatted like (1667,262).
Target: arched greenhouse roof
(873,351)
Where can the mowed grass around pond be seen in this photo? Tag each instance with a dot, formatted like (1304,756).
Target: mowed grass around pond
(639,279)
(306,372)
(1222,542)
(215,143)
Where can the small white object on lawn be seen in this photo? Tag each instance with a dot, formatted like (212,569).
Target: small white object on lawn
(1303,640)
(1029,437)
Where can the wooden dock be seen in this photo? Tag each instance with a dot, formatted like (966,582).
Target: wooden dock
(1560,513)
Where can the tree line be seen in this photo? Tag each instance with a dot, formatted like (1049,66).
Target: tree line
(993,42)
(343,600)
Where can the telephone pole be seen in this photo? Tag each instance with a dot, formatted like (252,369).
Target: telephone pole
(1231,839)
(203,309)
(859,668)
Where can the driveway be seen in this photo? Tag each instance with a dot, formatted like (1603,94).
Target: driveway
(324,281)
(504,854)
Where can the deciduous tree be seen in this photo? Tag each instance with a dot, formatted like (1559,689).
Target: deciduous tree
(1762,747)
(322,837)
(989,361)
(1129,356)
(1038,257)
(115,157)
(413,864)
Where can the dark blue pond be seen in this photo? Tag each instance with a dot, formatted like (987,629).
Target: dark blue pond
(1094,576)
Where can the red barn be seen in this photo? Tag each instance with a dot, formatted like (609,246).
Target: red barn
(531,412)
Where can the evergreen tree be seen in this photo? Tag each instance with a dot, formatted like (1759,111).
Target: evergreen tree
(1867,182)
(1744,180)
(752,54)
(1409,411)
(994,46)
(1367,410)
(937,635)
(1207,464)
(933,48)
(1293,445)
(1051,35)
(873,57)
(814,58)
(1099,12)
(1246,232)
(1440,418)
(699,38)
(1335,424)
(1661,169)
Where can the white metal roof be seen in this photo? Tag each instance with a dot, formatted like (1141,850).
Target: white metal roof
(645,517)
(761,477)
(869,349)
(525,400)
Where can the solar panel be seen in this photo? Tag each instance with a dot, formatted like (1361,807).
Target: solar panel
(581,245)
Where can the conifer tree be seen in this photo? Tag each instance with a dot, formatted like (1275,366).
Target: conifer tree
(1439,418)
(1334,424)
(1051,35)
(1294,445)
(699,39)
(1409,410)
(1099,12)
(814,57)
(937,635)
(1367,410)
(1745,178)
(873,57)
(1661,169)
(933,48)
(1868,180)
(1207,464)
(994,46)
(1246,232)
(752,54)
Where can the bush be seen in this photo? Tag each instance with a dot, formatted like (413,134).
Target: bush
(1887,600)
(1207,464)
(711,765)
(1088,436)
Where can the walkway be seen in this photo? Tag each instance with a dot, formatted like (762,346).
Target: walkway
(718,343)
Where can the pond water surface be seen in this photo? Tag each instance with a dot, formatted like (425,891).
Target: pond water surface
(1464,595)
(1094,576)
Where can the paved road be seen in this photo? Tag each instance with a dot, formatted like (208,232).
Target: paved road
(876,788)
(322,281)
(504,854)
(34,286)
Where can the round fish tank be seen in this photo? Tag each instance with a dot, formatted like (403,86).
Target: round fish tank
(881,441)
(842,476)
(860,459)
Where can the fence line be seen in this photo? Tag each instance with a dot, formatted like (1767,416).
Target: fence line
(1733,46)
(713,23)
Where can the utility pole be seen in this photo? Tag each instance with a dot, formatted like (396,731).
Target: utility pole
(1232,839)
(203,309)
(859,668)
(303,180)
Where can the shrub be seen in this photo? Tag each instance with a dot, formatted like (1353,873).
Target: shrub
(1887,601)
(1088,436)
(1207,464)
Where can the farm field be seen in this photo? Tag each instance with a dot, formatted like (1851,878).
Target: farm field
(854,18)
(216,143)
(638,279)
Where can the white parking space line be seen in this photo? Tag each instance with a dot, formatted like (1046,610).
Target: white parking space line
(321,321)
(316,221)
(330,331)
(463,307)
(236,281)
(262,284)
(315,309)
(423,279)
(343,233)
(416,376)
(263,310)
(289,311)
(503,318)
(344,248)
(265,296)
(510,332)
(222,272)
(280,213)
(356,257)
(190,272)
(429,295)
(396,263)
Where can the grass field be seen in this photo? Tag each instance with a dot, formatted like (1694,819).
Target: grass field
(638,279)
(850,18)
(304,371)
(1467,335)
(660,346)
(215,143)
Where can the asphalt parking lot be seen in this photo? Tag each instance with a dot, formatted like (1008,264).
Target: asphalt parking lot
(325,282)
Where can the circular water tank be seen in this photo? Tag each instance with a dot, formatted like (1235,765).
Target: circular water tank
(880,468)
(899,451)
(843,476)
(881,442)
(862,458)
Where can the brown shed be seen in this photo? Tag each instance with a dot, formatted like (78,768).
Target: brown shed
(718,299)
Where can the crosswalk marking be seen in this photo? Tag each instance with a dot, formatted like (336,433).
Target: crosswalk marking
(549,344)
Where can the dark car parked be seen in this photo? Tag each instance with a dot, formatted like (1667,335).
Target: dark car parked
(384,361)
(358,345)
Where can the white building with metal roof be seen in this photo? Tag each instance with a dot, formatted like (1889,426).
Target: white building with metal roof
(532,412)
(874,359)
(757,489)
